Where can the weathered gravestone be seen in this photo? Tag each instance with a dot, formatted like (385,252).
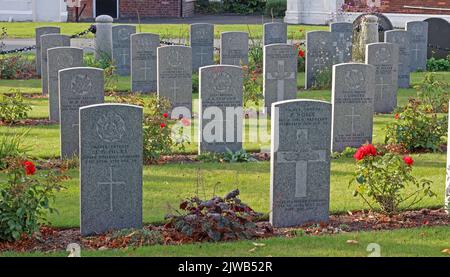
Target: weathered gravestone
(438,38)
(103,37)
(38,33)
(447,186)
(274,32)
(353,97)
(401,38)
(121,48)
(78,87)
(220,109)
(384,56)
(175,77)
(365,31)
(110,167)
(318,56)
(280,73)
(341,38)
(47,42)
(59,58)
(143,62)
(202,43)
(300,163)
(234,48)
(418,34)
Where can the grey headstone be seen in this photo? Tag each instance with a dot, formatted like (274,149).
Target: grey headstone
(143,62)
(220,108)
(318,55)
(366,30)
(234,48)
(418,34)
(275,32)
(110,167)
(175,76)
(78,87)
(121,43)
(401,38)
(202,43)
(280,73)
(353,97)
(300,163)
(103,37)
(438,38)
(384,56)
(38,33)
(59,58)
(47,42)
(341,37)
(447,185)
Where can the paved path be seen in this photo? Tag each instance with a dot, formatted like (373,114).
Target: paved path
(213,19)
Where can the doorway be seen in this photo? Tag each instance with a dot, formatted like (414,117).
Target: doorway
(108,7)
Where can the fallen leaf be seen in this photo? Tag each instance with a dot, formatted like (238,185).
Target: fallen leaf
(350,241)
(446,251)
(252,250)
(258,244)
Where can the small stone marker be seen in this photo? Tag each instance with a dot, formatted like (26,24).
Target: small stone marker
(143,62)
(402,39)
(47,42)
(300,163)
(121,43)
(353,97)
(175,76)
(447,187)
(341,37)
(78,87)
(38,33)
(202,43)
(59,58)
(110,167)
(418,34)
(234,48)
(318,56)
(220,109)
(384,56)
(275,32)
(280,73)
(103,37)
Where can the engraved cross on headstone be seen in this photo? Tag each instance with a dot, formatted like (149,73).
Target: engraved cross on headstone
(383,85)
(281,75)
(146,70)
(416,50)
(111,183)
(124,58)
(201,54)
(353,116)
(174,91)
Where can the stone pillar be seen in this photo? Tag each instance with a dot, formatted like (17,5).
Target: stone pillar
(312,12)
(103,36)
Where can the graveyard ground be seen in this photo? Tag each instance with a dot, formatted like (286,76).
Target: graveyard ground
(166,185)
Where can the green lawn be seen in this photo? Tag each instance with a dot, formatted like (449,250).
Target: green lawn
(27,29)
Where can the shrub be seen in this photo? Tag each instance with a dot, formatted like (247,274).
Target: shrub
(252,89)
(15,65)
(434,64)
(301,58)
(105,63)
(25,199)
(415,129)
(276,8)
(12,146)
(387,180)
(240,156)
(323,79)
(243,6)
(13,107)
(433,93)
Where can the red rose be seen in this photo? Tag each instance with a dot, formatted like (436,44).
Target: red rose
(29,167)
(301,53)
(370,150)
(162,125)
(365,150)
(408,160)
(396,116)
(359,155)
(166,115)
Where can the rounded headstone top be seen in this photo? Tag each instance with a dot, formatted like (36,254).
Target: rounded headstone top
(104,19)
(371,18)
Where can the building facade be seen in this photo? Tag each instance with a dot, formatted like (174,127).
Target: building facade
(33,10)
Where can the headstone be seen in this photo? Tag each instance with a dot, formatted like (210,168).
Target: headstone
(401,38)
(447,187)
(341,38)
(280,73)
(234,48)
(365,31)
(143,62)
(175,75)
(318,56)
(384,24)
(38,33)
(47,42)
(384,56)
(300,163)
(202,43)
(110,167)
(103,37)
(275,32)
(438,38)
(121,45)
(220,108)
(353,97)
(418,34)
(59,58)
(78,87)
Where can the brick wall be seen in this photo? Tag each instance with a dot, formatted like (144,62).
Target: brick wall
(150,8)
(87,13)
(397,6)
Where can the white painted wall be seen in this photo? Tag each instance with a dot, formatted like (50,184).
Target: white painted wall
(33,10)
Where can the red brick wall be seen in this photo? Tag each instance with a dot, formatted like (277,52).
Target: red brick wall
(397,6)
(87,13)
(150,8)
